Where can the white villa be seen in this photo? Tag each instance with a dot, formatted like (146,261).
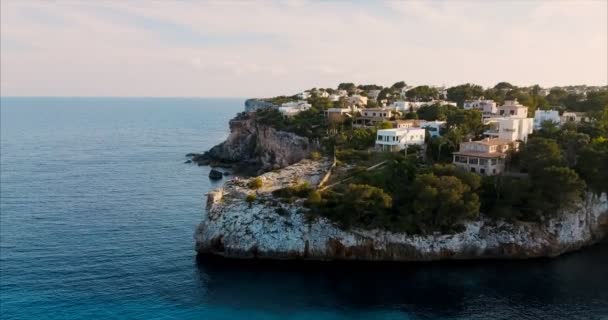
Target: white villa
(292,108)
(432,127)
(487,107)
(372,116)
(304,95)
(408,106)
(334,97)
(574,117)
(512,123)
(486,157)
(399,139)
(541,116)
(377,112)
(512,108)
(358,100)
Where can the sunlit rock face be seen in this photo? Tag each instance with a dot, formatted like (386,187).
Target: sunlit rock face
(255,148)
(231,227)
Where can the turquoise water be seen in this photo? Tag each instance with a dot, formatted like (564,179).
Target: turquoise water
(98,212)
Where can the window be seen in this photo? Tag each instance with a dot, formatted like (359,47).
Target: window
(483,162)
(393,138)
(494,171)
(473,160)
(512,112)
(461,159)
(379,138)
(482,171)
(473,170)
(374,114)
(502,112)
(494,162)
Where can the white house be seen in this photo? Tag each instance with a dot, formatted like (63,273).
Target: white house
(514,109)
(408,106)
(486,157)
(304,95)
(293,108)
(358,100)
(401,106)
(487,107)
(341,93)
(377,112)
(510,128)
(511,124)
(321,93)
(334,97)
(574,117)
(432,127)
(541,116)
(399,139)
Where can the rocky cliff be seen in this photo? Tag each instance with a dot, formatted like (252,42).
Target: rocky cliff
(232,228)
(255,148)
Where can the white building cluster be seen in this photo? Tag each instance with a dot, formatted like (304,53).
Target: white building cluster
(292,108)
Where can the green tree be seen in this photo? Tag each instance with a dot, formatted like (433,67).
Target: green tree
(422,93)
(385,125)
(399,85)
(593,164)
(464,92)
(540,153)
(364,205)
(561,187)
(572,143)
(433,112)
(348,86)
(362,138)
(443,203)
(504,86)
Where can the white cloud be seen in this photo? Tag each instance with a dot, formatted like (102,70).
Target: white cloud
(268,48)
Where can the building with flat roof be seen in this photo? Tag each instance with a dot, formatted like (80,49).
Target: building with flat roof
(399,138)
(486,157)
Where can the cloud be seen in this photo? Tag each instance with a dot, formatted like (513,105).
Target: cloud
(259,49)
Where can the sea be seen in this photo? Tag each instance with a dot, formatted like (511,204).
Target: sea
(98,212)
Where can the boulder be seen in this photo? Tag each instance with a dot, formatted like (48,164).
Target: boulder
(215,174)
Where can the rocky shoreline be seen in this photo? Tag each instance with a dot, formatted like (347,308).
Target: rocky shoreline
(253,148)
(271,229)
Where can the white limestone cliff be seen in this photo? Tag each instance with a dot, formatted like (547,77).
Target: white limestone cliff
(232,228)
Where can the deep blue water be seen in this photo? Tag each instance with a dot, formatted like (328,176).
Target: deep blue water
(98,212)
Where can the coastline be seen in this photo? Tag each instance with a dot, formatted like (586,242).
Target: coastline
(232,229)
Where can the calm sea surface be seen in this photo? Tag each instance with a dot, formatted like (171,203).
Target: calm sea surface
(98,213)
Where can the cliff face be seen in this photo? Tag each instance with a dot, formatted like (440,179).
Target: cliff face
(232,228)
(256,148)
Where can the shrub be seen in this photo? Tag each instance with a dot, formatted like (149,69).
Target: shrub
(250,199)
(281,211)
(314,198)
(315,155)
(300,191)
(256,183)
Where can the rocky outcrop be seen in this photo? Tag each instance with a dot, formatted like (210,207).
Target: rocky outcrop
(276,230)
(255,148)
(215,174)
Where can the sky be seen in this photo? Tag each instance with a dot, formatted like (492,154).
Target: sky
(267,48)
